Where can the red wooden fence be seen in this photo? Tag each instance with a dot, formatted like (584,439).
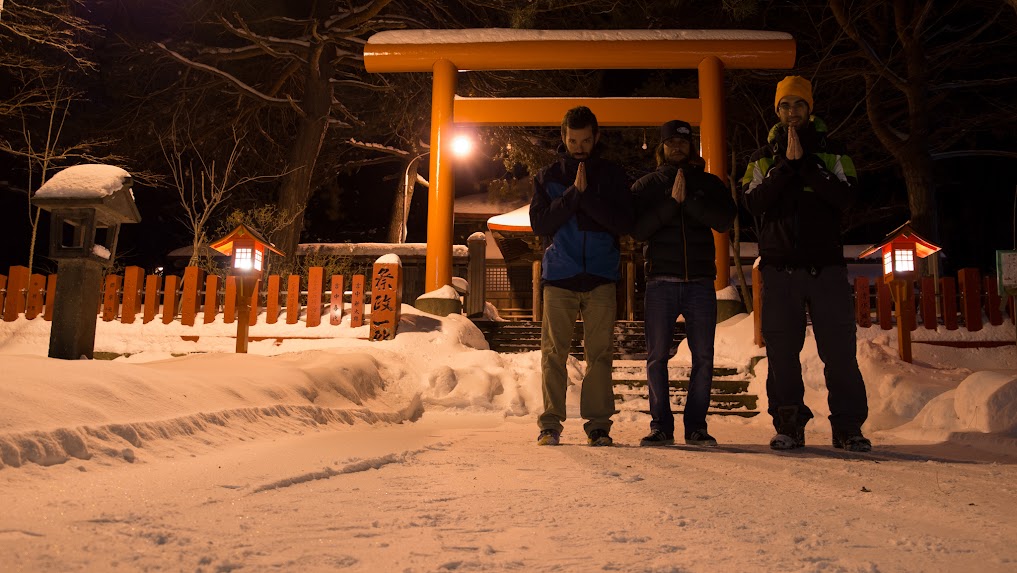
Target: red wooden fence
(979,298)
(184,298)
(123,297)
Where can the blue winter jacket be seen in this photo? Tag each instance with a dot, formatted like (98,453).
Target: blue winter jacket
(580,231)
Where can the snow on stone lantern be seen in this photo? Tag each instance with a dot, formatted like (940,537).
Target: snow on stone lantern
(247,251)
(900,251)
(87,205)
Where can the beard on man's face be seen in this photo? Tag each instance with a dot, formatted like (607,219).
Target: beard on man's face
(676,155)
(795,120)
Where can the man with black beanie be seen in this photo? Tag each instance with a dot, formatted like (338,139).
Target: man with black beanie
(676,207)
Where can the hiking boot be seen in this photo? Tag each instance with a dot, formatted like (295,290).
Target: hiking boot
(549,438)
(790,433)
(852,443)
(600,438)
(786,442)
(657,438)
(700,438)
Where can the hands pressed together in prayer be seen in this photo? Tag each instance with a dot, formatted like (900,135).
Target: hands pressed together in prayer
(581,178)
(678,189)
(794,145)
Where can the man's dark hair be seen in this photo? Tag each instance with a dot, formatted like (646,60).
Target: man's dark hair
(579,118)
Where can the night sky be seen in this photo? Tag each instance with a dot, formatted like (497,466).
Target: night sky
(975,195)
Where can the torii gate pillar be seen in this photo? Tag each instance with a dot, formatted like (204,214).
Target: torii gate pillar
(441,192)
(711,135)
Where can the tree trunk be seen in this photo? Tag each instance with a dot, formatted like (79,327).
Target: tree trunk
(916,165)
(296,184)
(736,243)
(196,243)
(35,234)
(912,154)
(403,199)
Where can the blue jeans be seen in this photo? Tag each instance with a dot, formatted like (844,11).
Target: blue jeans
(697,302)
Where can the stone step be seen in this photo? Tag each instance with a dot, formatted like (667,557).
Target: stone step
(717,401)
(524,336)
(636,370)
(576,351)
(718,386)
(728,397)
(740,413)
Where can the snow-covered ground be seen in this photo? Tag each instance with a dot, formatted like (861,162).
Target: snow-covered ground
(323,451)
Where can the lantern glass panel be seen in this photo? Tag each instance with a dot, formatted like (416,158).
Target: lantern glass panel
(887,263)
(258,256)
(242,258)
(904,260)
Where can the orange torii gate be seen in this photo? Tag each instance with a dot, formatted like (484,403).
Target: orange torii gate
(447,52)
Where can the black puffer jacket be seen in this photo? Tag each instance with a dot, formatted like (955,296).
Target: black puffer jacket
(799,204)
(678,237)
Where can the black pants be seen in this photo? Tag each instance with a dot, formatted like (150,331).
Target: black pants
(826,294)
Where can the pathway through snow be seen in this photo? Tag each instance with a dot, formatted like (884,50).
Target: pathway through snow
(474,493)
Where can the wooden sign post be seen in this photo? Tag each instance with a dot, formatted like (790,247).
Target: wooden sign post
(386,297)
(901,291)
(357,302)
(1006,273)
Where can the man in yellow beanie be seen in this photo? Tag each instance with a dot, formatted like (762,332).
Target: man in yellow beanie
(797,187)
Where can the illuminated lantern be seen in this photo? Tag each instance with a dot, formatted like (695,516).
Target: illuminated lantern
(900,252)
(247,251)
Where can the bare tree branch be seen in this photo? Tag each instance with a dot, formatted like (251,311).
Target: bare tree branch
(230,78)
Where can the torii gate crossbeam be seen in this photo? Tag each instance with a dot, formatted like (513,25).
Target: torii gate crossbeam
(446,52)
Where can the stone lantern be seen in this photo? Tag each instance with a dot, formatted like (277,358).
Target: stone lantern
(900,251)
(87,205)
(247,251)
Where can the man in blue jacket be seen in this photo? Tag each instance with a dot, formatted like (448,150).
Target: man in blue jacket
(678,207)
(580,207)
(798,187)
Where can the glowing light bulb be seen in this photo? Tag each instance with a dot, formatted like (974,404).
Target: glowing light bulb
(462,145)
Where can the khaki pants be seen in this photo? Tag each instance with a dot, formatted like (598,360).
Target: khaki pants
(597,309)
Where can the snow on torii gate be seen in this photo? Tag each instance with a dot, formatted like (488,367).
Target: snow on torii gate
(447,52)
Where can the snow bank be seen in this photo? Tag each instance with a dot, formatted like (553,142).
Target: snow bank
(173,382)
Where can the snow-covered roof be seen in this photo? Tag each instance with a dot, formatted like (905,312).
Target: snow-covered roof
(493,35)
(350,249)
(481,204)
(85,182)
(376,249)
(518,220)
(751,250)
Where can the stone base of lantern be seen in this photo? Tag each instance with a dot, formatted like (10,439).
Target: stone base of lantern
(728,308)
(439,306)
(72,334)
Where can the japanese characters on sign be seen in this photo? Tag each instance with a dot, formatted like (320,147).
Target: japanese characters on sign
(386,300)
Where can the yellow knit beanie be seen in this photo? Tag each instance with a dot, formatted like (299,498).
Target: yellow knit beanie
(796,86)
